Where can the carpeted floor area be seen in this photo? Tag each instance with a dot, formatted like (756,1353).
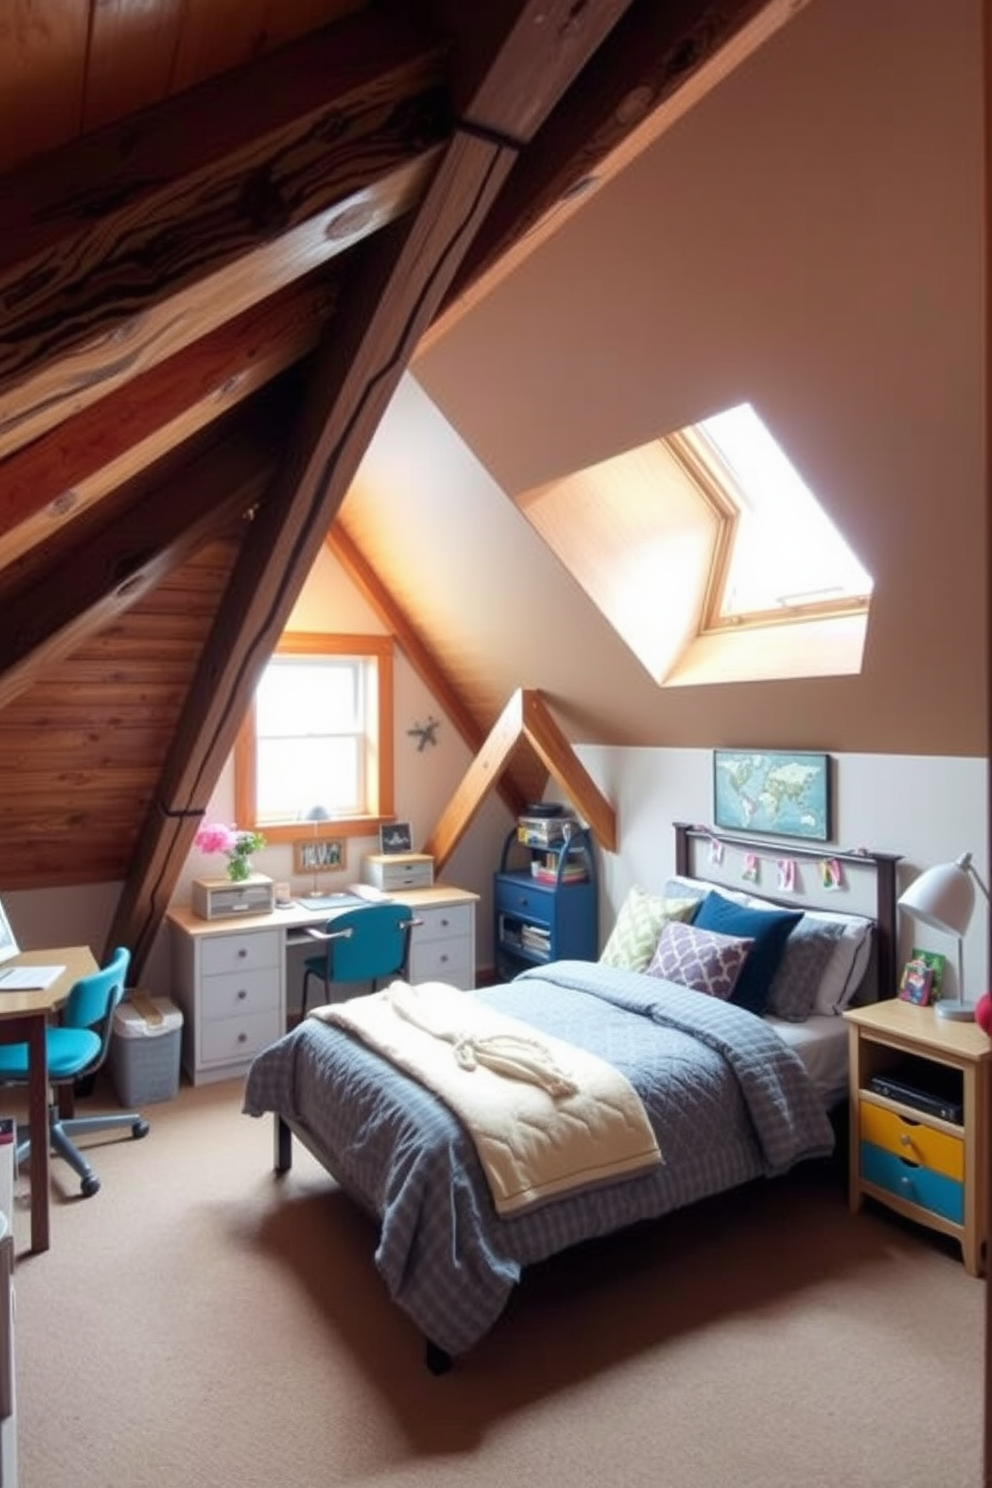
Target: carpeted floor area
(199,1321)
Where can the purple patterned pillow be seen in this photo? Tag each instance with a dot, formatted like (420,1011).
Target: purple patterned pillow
(704,960)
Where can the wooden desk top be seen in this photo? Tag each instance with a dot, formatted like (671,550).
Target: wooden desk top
(294,916)
(77,960)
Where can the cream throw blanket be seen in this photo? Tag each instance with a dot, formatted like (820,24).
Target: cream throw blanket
(546,1117)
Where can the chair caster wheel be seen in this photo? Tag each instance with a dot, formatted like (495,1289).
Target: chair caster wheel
(90,1186)
(140,1129)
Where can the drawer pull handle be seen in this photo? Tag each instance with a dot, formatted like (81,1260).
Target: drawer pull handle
(242,953)
(242,1038)
(905,1140)
(444,960)
(445,923)
(242,994)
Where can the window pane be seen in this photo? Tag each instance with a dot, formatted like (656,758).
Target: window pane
(309,696)
(296,774)
(786,550)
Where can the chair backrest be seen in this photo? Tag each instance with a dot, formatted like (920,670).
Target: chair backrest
(93,998)
(378,943)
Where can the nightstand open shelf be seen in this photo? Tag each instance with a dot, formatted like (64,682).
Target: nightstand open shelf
(927,1167)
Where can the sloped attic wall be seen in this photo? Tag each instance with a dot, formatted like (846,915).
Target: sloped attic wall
(810,237)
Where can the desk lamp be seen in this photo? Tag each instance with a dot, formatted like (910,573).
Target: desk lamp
(317,814)
(943,897)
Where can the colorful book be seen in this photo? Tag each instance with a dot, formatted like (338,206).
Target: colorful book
(937,964)
(917,982)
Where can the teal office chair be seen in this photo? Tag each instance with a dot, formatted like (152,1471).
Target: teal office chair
(76,1049)
(361,945)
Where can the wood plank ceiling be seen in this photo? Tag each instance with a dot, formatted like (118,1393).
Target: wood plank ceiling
(224,226)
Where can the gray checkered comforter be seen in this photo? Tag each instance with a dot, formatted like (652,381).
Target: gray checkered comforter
(728,1102)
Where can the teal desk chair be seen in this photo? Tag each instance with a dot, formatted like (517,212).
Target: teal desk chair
(76,1048)
(361,945)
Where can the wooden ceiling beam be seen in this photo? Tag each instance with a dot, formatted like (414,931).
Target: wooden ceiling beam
(58,608)
(399,284)
(58,477)
(126,245)
(420,657)
(657,63)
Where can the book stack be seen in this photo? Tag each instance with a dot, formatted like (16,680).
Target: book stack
(536,938)
(545,870)
(545,831)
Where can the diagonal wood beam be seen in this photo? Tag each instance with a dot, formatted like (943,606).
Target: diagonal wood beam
(126,245)
(657,64)
(420,657)
(58,477)
(401,279)
(527,718)
(51,615)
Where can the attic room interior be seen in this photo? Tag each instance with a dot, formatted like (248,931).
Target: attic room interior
(319,319)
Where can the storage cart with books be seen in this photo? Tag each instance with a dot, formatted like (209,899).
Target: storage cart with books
(544,895)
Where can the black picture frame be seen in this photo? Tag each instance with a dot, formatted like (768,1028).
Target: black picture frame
(781,792)
(395,837)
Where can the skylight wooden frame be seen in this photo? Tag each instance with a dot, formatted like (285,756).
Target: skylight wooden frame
(719,491)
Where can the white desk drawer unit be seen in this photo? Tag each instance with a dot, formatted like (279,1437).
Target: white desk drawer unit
(442,949)
(230,979)
(230,987)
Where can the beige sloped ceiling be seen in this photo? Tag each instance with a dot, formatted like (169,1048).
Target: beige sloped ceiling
(809,237)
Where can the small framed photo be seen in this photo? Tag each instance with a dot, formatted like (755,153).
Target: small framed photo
(396,838)
(318,854)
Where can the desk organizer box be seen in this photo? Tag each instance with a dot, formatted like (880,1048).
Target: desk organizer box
(144,1049)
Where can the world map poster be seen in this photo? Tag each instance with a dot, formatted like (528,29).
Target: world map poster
(786,794)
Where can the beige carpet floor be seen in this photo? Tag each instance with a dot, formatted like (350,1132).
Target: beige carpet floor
(200,1322)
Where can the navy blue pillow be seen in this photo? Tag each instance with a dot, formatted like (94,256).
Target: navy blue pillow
(768,928)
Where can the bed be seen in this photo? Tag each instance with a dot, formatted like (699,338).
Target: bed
(730,1096)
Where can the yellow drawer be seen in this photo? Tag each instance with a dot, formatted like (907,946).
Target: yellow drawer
(912,1141)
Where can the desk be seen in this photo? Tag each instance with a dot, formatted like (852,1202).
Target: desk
(23,1016)
(230,976)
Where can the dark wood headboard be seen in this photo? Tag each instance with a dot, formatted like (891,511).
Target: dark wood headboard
(882,864)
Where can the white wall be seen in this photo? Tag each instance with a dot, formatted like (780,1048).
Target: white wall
(928,810)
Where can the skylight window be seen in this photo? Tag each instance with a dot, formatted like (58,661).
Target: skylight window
(786,554)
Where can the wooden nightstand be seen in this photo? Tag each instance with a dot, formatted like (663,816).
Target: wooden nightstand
(931,1170)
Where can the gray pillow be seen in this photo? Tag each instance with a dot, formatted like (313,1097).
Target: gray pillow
(804,960)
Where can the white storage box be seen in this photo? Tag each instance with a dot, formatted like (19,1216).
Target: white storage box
(392,871)
(219,898)
(144,1049)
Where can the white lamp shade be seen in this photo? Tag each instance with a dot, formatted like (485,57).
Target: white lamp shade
(942,897)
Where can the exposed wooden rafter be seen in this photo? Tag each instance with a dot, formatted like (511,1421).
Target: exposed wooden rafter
(526,718)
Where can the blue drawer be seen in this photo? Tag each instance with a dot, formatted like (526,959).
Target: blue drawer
(518,894)
(921,1186)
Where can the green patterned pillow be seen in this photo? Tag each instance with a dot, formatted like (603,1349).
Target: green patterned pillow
(639,923)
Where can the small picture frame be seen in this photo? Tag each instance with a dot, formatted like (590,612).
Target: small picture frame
(395,837)
(318,854)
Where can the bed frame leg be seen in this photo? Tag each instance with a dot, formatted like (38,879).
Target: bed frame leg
(283,1154)
(437,1359)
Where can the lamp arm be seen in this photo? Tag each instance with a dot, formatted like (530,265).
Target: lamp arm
(964,861)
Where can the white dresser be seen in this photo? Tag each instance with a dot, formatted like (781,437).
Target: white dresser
(230,976)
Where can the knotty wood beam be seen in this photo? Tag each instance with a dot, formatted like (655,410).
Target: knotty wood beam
(239,185)
(56,610)
(525,717)
(658,62)
(420,657)
(400,281)
(58,477)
